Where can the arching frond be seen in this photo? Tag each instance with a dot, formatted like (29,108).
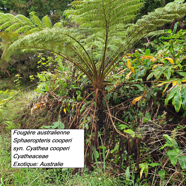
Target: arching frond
(25,20)
(46,22)
(101,15)
(156,33)
(145,26)
(35,20)
(59,41)
(24,29)
(104,34)
(13,27)
(19,25)
(58,24)
(22,24)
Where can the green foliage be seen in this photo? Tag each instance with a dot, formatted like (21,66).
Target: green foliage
(96,56)
(170,66)
(151,5)
(175,154)
(110,38)
(19,24)
(145,167)
(13,28)
(52,8)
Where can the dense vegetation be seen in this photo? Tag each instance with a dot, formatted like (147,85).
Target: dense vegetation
(130,99)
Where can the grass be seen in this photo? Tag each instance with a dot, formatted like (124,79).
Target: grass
(37,177)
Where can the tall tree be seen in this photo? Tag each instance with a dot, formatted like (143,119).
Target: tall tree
(53,8)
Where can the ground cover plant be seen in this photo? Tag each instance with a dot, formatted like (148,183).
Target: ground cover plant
(116,96)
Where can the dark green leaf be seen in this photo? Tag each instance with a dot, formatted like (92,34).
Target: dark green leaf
(175,28)
(173,156)
(183,93)
(171,94)
(182,161)
(182,74)
(177,101)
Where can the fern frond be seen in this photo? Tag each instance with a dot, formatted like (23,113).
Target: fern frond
(6,37)
(24,19)
(156,33)
(5,25)
(58,41)
(145,25)
(35,20)
(103,14)
(22,25)
(46,22)
(24,29)
(58,24)
(13,27)
(104,35)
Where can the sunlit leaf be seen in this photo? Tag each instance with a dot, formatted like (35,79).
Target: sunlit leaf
(148,57)
(136,100)
(165,82)
(154,164)
(156,66)
(144,168)
(133,70)
(122,126)
(64,110)
(128,75)
(131,132)
(128,63)
(182,74)
(46,88)
(174,83)
(170,60)
(167,73)
(165,88)
(160,72)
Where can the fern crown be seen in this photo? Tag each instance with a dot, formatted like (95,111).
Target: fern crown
(104,34)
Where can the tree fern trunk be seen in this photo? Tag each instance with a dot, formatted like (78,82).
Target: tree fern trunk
(100,112)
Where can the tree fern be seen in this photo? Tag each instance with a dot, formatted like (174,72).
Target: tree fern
(21,24)
(46,22)
(105,33)
(14,27)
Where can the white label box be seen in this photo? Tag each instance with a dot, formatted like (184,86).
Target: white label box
(43,148)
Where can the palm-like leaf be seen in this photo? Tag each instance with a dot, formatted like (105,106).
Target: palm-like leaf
(102,33)
(22,25)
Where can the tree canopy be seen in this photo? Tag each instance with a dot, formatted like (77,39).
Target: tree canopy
(53,8)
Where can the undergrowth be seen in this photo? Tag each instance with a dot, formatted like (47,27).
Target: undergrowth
(143,140)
